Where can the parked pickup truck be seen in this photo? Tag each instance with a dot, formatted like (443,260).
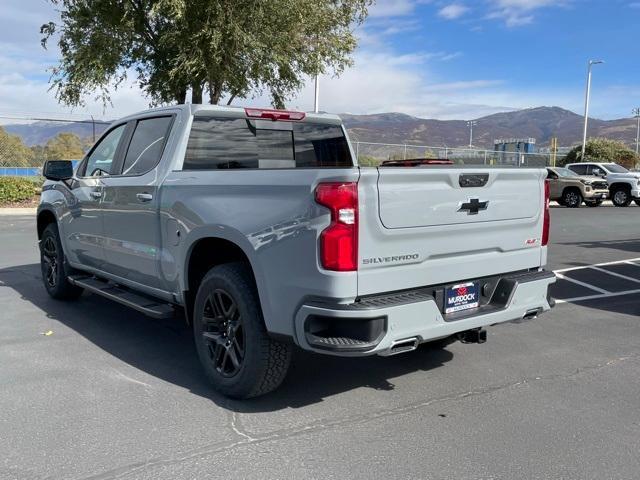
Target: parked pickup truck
(261,227)
(624,186)
(570,189)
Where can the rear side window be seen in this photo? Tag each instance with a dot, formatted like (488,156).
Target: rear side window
(220,143)
(146,146)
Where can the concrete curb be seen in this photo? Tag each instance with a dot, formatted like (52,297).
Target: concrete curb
(18,211)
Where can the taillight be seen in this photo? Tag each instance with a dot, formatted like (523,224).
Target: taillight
(547,218)
(273,114)
(339,241)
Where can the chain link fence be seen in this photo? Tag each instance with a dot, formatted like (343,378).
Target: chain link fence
(27,141)
(373,154)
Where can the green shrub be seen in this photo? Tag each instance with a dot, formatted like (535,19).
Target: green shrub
(602,150)
(18,189)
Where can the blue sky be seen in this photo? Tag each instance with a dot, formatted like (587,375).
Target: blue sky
(428,58)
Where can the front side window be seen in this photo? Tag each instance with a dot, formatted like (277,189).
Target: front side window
(101,158)
(220,143)
(146,146)
(579,169)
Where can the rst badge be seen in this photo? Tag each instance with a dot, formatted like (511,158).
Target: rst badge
(461,297)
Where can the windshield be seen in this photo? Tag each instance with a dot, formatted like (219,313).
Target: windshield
(565,172)
(615,168)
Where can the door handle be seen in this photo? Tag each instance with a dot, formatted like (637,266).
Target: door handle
(96,194)
(144,197)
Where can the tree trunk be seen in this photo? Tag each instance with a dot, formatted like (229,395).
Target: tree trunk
(215,92)
(196,93)
(181,97)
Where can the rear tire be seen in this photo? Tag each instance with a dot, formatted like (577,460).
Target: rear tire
(593,203)
(572,198)
(234,348)
(621,197)
(53,266)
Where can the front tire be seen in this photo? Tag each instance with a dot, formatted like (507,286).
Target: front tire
(572,198)
(621,198)
(234,348)
(53,266)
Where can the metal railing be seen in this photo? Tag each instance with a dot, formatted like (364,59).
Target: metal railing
(372,154)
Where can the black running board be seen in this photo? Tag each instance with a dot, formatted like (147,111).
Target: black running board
(142,303)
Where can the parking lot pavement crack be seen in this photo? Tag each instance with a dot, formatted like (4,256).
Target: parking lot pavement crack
(237,428)
(350,420)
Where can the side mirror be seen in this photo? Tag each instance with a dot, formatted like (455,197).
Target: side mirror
(57,170)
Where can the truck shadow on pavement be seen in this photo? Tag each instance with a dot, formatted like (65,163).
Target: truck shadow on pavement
(165,350)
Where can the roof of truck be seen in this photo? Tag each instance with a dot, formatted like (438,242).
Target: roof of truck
(232,111)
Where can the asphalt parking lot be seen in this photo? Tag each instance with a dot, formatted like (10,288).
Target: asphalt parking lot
(109,393)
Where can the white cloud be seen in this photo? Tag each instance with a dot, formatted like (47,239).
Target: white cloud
(520,12)
(453,11)
(20,96)
(392,8)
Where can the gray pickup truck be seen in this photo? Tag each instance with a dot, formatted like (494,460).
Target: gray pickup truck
(259,225)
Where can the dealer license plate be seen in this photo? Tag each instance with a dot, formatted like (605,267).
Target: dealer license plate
(461,297)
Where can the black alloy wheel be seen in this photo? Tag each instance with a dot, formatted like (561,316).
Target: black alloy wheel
(54,268)
(50,257)
(223,332)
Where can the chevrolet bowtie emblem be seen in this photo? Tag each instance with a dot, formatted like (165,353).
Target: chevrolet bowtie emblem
(473,206)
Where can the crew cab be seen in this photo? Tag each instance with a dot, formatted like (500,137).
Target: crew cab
(624,186)
(259,225)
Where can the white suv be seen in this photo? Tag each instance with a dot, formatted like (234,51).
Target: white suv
(624,185)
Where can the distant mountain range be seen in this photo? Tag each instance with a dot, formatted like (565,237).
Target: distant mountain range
(37,133)
(541,123)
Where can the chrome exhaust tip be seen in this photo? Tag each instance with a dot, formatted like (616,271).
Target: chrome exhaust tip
(404,345)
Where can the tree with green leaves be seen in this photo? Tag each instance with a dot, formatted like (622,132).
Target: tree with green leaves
(227,48)
(603,150)
(64,146)
(13,151)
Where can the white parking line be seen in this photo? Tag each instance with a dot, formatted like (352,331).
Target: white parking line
(615,274)
(615,262)
(584,284)
(600,295)
(603,293)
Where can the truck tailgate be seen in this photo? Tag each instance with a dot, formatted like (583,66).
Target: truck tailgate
(433,225)
(424,198)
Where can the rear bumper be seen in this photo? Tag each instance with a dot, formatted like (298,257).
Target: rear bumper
(374,325)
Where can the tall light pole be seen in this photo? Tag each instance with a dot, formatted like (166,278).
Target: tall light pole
(636,113)
(471,124)
(317,96)
(586,105)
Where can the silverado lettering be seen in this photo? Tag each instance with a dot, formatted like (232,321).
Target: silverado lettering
(395,258)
